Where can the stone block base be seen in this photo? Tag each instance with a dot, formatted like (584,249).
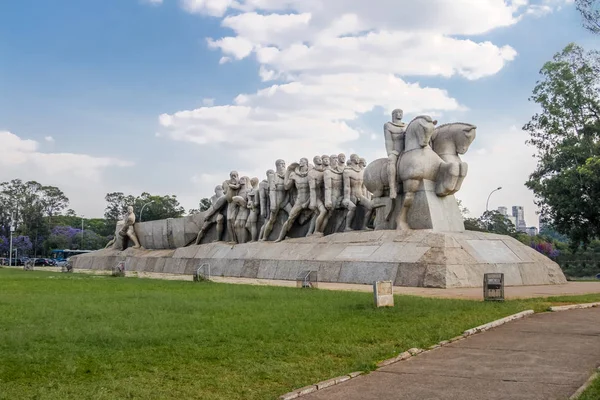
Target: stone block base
(421,258)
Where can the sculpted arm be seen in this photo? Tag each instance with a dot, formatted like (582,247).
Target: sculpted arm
(389,140)
(347,188)
(327,185)
(312,185)
(288,182)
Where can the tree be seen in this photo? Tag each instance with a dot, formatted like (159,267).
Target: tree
(157,207)
(590,11)
(117,206)
(53,201)
(496,222)
(566,134)
(204,204)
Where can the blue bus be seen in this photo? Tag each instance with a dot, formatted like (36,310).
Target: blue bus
(62,255)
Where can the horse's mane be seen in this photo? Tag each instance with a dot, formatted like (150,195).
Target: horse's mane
(454,123)
(425,117)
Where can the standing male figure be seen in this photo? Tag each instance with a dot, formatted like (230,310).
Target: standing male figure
(231,188)
(127,231)
(353,193)
(334,187)
(394,145)
(213,215)
(315,183)
(296,175)
(278,198)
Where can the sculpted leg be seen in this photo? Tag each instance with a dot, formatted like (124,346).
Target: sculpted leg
(391,167)
(203,230)
(350,215)
(134,239)
(447,178)
(220,224)
(321,221)
(368,205)
(268,227)
(294,213)
(410,187)
(231,214)
(464,168)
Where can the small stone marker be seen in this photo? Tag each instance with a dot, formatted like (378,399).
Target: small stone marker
(28,265)
(384,294)
(119,269)
(493,286)
(67,267)
(202,273)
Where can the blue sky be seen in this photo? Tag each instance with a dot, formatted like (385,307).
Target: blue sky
(84,84)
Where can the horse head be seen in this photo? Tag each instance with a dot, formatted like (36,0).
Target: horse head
(464,138)
(419,132)
(453,138)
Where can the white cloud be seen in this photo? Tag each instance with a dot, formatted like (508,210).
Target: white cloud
(208,102)
(21,158)
(214,8)
(19,153)
(49,139)
(331,61)
(153,2)
(270,123)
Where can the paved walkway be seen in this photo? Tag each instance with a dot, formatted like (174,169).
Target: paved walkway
(546,356)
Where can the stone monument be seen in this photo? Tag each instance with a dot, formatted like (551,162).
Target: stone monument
(394,219)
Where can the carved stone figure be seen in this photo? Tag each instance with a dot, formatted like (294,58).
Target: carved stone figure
(419,162)
(354,194)
(127,231)
(296,176)
(448,141)
(231,188)
(317,205)
(333,183)
(278,198)
(394,145)
(241,200)
(264,196)
(213,215)
(254,206)
(341,161)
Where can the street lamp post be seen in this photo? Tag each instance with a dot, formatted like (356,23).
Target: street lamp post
(12,229)
(82,232)
(487,203)
(150,202)
(488,199)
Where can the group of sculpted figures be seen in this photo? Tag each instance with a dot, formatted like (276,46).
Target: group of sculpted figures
(421,156)
(417,152)
(330,183)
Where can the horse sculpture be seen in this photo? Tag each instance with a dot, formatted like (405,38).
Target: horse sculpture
(418,162)
(448,141)
(430,154)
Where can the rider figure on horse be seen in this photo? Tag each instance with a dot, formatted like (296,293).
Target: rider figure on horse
(394,145)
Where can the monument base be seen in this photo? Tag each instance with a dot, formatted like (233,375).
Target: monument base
(420,258)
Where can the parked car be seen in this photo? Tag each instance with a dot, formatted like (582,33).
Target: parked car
(42,262)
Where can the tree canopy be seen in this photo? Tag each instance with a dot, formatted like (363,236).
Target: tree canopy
(566,133)
(155,207)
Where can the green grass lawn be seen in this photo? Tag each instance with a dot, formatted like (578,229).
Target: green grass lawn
(79,336)
(592,392)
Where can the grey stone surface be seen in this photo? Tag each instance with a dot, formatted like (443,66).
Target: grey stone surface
(408,258)
(542,357)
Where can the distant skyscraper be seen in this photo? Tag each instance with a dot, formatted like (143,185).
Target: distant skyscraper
(531,231)
(518,213)
(503,210)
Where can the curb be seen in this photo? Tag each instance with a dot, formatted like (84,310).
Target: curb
(574,307)
(498,322)
(587,383)
(413,352)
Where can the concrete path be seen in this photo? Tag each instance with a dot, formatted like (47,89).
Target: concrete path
(546,356)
